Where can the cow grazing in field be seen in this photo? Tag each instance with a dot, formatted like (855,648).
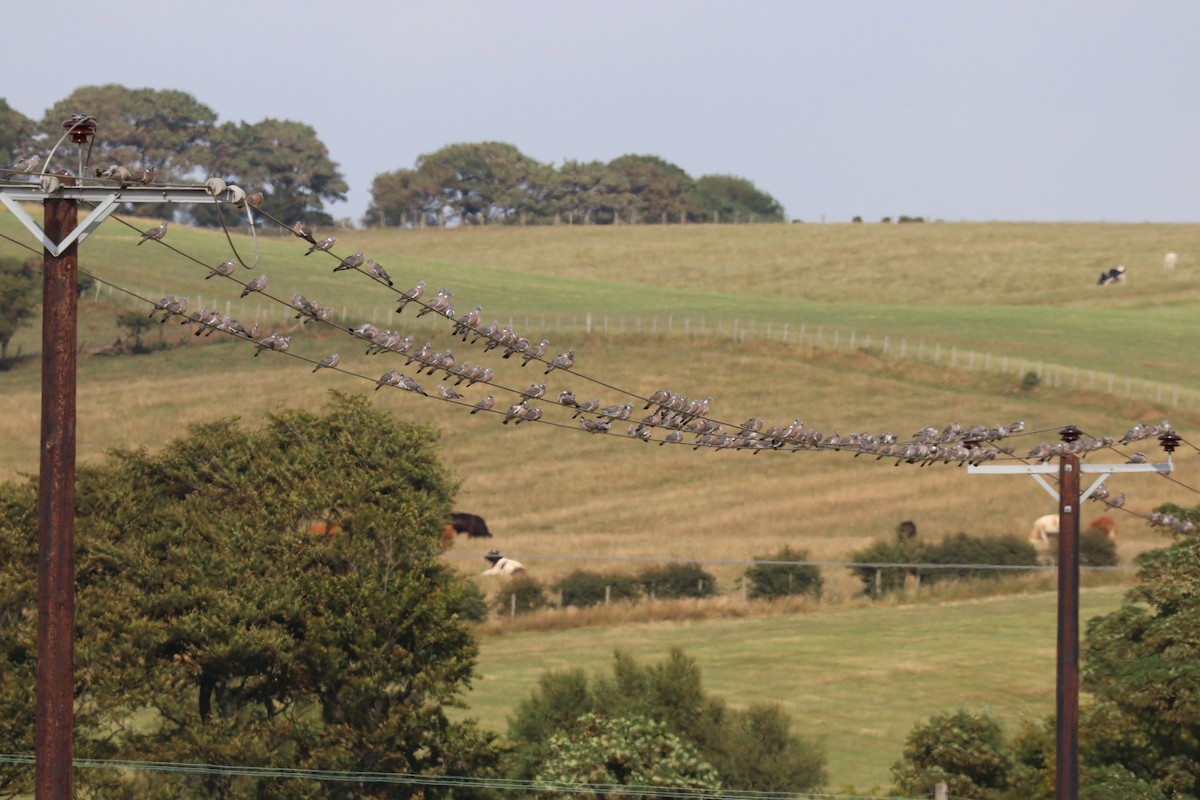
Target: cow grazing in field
(1114,275)
(906,530)
(470,524)
(502,565)
(1047,526)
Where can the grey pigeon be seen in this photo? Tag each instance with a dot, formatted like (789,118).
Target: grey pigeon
(534,391)
(563,361)
(485,404)
(26,165)
(350,262)
(412,294)
(303,231)
(114,172)
(593,426)
(389,378)
(154,233)
(674,437)
(256,285)
(411,385)
(529,415)
(329,362)
(567,398)
(514,411)
(322,245)
(586,407)
(377,272)
(537,351)
(224,270)
(446,393)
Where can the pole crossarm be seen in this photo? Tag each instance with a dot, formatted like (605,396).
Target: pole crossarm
(1036,471)
(105,199)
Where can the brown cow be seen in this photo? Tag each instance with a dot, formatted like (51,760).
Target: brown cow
(470,524)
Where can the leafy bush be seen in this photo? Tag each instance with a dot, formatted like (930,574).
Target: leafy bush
(753,749)
(678,580)
(528,592)
(1096,550)
(770,580)
(1030,381)
(631,751)
(962,548)
(966,751)
(472,605)
(891,579)
(583,589)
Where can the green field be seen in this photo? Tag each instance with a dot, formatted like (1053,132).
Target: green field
(731,312)
(856,679)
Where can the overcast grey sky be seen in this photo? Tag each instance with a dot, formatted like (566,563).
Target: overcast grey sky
(949,109)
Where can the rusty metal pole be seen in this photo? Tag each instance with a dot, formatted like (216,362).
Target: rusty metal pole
(1067,695)
(54,779)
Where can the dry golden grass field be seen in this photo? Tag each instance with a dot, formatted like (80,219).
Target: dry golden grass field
(728,312)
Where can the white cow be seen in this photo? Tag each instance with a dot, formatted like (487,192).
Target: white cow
(502,565)
(1169,261)
(1044,527)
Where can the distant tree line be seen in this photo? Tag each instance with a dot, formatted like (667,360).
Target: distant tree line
(495,183)
(181,139)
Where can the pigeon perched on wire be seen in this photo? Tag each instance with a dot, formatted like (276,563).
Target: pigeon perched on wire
(273,342)
(389,378)
(534,391)
(224,270)
(529,415)
(446,393)
(537,351)
(567,398)
(256,285)
(350,262)
(563,361)
(156,234)
(377,272)
(485,404)
(329,362)
(322,245)
(586,407)
(115,172)
(303,231)
(412,294)
(143,176)
(26,165)
(514,411)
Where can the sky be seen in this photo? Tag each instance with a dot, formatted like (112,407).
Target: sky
(943,109)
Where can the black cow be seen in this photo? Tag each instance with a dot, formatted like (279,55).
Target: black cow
(470,524)
(1114,275)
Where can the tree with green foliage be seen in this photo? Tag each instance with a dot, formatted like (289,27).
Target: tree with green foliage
(16,131)
(656,189)
(1143,668)
(161,129)
(751,749)
(624,751)
(728,198)
(20,292)
(486,182)
(214,627)
(282,159)
(967,752)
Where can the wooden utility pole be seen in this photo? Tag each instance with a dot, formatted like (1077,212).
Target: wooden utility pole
(1069,497)
(54,779)
(60,237)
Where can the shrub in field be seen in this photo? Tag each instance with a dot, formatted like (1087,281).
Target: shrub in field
(751,749)
(890,579)
(1096,549)
(1030,381)
(582,588)
(528,592)
(965,751)
(962,548)
(783,579)
(678,580)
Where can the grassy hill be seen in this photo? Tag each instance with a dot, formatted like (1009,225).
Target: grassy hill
(821,323)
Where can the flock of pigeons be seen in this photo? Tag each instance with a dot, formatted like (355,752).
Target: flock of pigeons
(671,413)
